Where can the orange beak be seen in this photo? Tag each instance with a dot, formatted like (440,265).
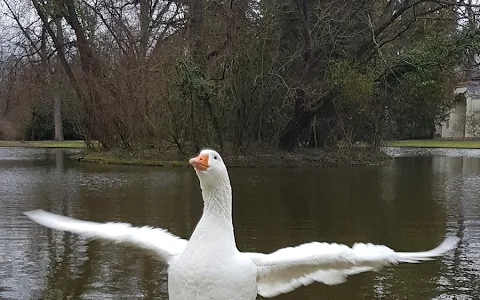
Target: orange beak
(200,163)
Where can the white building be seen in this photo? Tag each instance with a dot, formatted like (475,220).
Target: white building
(467,100)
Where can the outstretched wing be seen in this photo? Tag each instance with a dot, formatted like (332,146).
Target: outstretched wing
(158,240)
(287,269)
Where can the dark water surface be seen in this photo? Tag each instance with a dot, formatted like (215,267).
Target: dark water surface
(410,204)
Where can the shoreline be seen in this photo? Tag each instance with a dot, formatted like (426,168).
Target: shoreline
(435,143)
(43,144)
(302,157)
(299,159)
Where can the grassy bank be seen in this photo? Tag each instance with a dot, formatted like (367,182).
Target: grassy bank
(43,144)
(128,159)
(300,158)
(435,144)
(303,157)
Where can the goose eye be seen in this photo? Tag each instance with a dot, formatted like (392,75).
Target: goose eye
(214,157)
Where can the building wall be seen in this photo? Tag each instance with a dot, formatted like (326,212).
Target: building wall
(457,127)
(473,105)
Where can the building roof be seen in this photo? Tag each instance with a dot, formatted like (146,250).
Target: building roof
(473,86)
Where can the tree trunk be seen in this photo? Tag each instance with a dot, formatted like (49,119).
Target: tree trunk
(94,120)
(57,115)
(325,122)
(196,36)
(144,36)
(470,63)
(197,10)
(32,133)
(299,122)
(57,106)
(302,116)
(144,23)
(66,66)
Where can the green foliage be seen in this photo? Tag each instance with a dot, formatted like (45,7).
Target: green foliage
(356,87)
(259,75)
(191,80)
(54,7)
(41,127)
(420,92)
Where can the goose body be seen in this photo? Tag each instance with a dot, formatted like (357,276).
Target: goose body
(209,265)
(216,275)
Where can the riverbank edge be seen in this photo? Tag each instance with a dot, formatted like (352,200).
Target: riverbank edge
(304,158)
(428,143)
(300,158)
(42,144)
(435,143)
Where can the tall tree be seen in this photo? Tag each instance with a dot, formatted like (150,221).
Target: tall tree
(57,111)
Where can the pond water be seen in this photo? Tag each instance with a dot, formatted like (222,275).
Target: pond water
(410,204)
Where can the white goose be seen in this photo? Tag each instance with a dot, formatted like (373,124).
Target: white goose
(209,265)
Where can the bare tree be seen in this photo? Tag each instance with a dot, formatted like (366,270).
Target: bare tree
(238,75)
(57,110)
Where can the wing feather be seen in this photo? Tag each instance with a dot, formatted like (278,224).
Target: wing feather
(158,240)
(287,269)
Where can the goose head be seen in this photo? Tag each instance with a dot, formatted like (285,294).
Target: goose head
(210,168)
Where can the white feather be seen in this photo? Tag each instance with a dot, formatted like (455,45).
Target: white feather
(288,269)
(158,240)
